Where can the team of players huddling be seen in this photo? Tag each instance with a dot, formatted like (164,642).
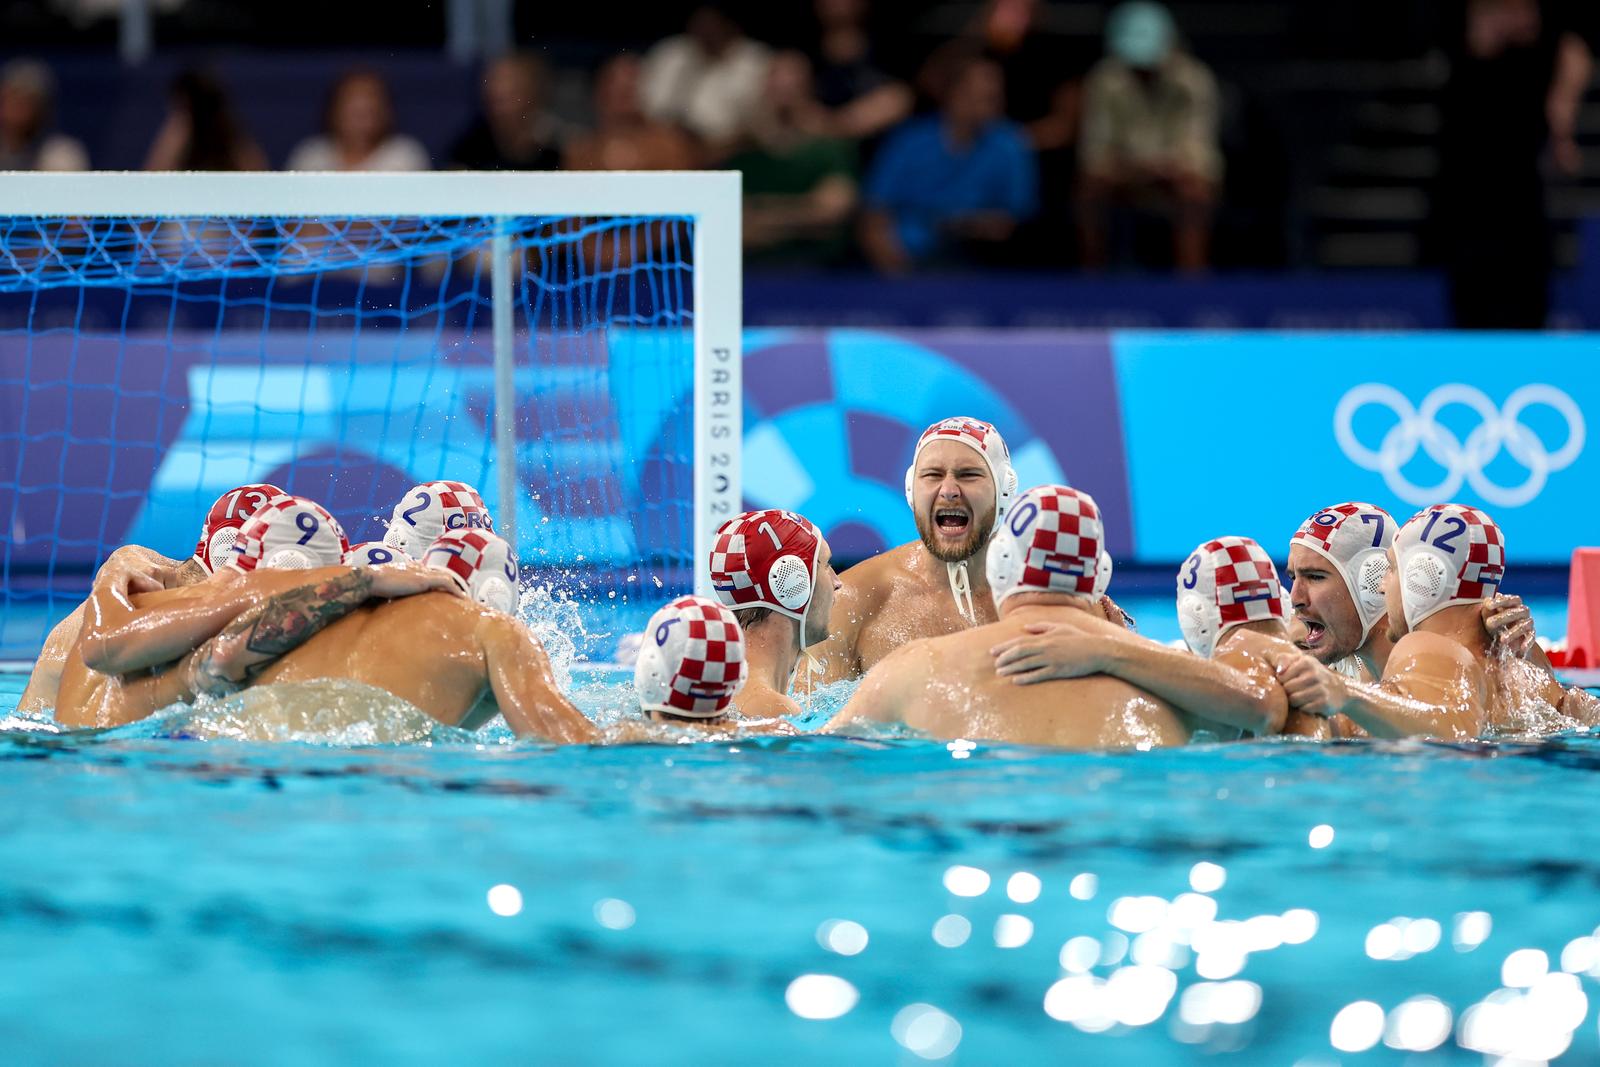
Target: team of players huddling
(994,625)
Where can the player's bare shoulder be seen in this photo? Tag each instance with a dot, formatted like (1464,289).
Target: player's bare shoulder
(1252,647)
(1422,649)
(868,584)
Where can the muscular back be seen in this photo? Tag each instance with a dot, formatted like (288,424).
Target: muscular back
(947,686)
(425,649)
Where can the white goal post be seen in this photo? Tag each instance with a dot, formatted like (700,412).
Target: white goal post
(711,199)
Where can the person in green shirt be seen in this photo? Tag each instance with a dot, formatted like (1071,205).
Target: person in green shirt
(800,189)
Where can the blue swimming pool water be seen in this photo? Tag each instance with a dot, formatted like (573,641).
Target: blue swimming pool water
(202,902)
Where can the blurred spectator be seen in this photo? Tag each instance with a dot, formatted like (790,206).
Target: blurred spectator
(513,131)
(1042,72)
(1518,71)
(624,138)
(1044,92)
(358,131)
(201,132)
(799,182)
(27,104)
(861,100)
(1150,139)
(951,187)
(706,80)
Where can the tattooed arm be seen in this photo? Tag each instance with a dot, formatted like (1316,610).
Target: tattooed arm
(262,634)
(286,621)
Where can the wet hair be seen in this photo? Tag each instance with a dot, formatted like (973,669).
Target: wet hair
(749,617)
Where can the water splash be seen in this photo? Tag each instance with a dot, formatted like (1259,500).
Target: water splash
(328,711)
(22,722)
(556,619)
(1519,689)
(823,704)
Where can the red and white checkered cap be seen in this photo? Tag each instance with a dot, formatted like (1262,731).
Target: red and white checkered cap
(1355,538)
(1052,542)
(766,559)
(290,533)
(482,563)
(982,438)
(1222,584)
(1448,554)
(375,554)
(691,660)
(432,509)
(226,517)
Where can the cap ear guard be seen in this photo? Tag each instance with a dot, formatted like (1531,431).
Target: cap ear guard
(498,594)
(288,559)
(220,546)
(1367,574)
(1005,491)
(789,581)
(1102,574)
(395,537)
(1199,623)
(1424,582)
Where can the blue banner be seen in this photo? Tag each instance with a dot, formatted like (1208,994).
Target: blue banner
(1181,437)
(1250,433)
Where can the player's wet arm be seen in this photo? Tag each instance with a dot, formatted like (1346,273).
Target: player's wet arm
(123,634)
(1234,690)
(525,688)
(284,622)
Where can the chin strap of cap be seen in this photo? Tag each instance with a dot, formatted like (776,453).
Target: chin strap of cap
(961,589)
(814,670)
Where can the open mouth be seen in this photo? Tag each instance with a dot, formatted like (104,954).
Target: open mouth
(952,522)
(1315,632)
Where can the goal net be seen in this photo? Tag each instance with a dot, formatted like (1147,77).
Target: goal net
(568,343)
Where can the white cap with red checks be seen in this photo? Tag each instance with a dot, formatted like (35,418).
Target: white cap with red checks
(766,559)
(432,509)
(1448,554)
(482,563)
(375,554)
(226,517)
(691,659)
(1051,542)
(1355,538)
(290,533)
(1222,584)
(983,439)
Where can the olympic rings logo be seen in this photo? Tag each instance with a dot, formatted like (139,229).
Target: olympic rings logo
(1463,461)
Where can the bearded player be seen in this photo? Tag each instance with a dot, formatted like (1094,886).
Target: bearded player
(959,485)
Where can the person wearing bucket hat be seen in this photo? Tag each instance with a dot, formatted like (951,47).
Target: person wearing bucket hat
(959,484)
(1150,136)
(1047,563)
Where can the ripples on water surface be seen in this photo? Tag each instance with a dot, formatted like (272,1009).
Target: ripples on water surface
(794,901)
